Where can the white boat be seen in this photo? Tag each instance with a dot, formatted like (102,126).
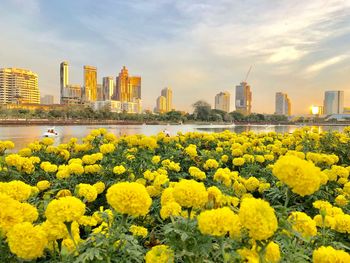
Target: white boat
(51,132)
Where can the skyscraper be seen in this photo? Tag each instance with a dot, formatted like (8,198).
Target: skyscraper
(333,102)
(243,98)
(161,104)
(18,86)
(282,104)
(90,83)
(168,94)
(99,89)
(128,88)
(135,83)
(63,78)
(107,88)
(222,101)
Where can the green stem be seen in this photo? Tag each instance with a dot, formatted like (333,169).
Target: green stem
(222,246)
(69,228)
(287,197)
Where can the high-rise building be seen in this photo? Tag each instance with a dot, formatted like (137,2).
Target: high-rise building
(47,99)
(161,104)
(282,104)
(72,94)
(107,88)
(64,80)
(222,101)
(18,86)
(243,98)
(90,83)
(99,89)
(334,102)
(135,83)
(168,94)
(128,88)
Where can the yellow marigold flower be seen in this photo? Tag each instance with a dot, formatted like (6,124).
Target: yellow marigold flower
(54,231)
(211,164)
(153,191)
(107,148)
(258,217)
(155,159)
(219,222)
(303,177)
(99,186)
(327,221)
(167,196)
(197,173)
(330,255)
(63,193)
(87,191)
(160,254)
(223,175)
(160,179)
(303,224)
(224,158)
(119,169)
(191,150)
(9,145)
(260,158)
(215,196)
(17,190)
(238,161)
(138,231)
(10,212)
(29,212)
(239,188)
(27,241)
(88,221)
(189,193)
(269,157)
(92,168)
(25,152)
(47,141)
(251,184)
(272,253)
(237,152)
(263,187)
(75,168)
(129,198)
(68,245)
(110,137)
(170,208)
(249,255)
(342,223)
(65,209)
(341,200)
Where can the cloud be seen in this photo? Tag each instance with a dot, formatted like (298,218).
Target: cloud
(326,63)
(285,54)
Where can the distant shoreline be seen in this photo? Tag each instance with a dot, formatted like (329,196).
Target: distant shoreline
(52,122)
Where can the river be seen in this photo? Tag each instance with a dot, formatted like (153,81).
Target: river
(22,135)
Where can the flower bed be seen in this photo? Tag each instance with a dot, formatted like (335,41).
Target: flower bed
(193,197)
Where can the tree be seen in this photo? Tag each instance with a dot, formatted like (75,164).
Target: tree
(202,110)
(237,116)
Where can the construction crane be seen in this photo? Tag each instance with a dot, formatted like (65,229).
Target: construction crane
(246,77)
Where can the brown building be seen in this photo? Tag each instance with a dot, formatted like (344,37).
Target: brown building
(128,88)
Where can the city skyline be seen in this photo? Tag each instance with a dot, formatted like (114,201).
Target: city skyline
(303,58)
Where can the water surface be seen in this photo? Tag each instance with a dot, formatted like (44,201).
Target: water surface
(23,135)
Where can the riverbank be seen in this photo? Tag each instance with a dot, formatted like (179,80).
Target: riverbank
(68,122)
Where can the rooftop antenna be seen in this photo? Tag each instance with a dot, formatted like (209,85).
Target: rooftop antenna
(246,77)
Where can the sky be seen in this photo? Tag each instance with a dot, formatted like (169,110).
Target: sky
(198,48)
